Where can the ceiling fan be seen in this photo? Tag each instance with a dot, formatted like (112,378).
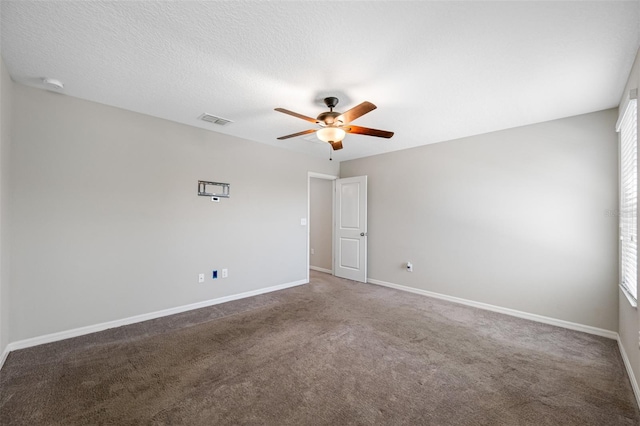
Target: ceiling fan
(335,125)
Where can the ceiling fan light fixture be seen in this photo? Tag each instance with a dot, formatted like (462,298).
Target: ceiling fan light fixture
(331,134)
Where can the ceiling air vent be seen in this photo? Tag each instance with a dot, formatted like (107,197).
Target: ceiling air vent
(215,120)
(313,138)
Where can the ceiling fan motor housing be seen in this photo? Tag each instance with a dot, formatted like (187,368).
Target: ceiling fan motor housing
(329,118)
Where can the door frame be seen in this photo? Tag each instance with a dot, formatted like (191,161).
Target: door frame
(333,202)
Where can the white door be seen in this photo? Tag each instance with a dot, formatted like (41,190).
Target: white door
(350,251)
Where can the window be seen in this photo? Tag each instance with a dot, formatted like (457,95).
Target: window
(628,128)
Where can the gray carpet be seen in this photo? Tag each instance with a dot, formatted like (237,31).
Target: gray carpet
(332,352)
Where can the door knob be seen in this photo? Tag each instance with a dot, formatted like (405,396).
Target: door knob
(362,234)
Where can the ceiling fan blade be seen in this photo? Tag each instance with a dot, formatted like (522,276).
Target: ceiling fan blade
(336,145)
(355,112)
(295,114)
(293,135)
(367,131)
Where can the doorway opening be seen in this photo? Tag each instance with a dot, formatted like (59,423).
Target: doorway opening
(320,197)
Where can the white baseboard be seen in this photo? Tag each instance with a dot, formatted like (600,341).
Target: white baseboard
(627,366)
(319,269)
(54,337)
(5,354)
(533,317)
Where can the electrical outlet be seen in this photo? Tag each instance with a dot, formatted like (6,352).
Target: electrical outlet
(225,273)
(200,278)
(313,251)
(409,267)
(303,221)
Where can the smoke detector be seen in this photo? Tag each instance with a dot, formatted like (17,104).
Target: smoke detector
(210,118)
(52,83)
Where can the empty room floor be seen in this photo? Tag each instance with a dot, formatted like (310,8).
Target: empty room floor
(330,352)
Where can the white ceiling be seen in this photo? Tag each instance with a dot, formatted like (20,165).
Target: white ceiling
(436,70)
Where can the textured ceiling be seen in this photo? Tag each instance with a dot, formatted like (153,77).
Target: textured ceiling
(436,70)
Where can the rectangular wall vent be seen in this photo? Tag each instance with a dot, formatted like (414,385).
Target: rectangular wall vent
(209,118)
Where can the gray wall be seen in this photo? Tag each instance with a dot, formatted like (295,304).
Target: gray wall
(106,222)
(321,222)
(6,100)
(514,218)
(629,325)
